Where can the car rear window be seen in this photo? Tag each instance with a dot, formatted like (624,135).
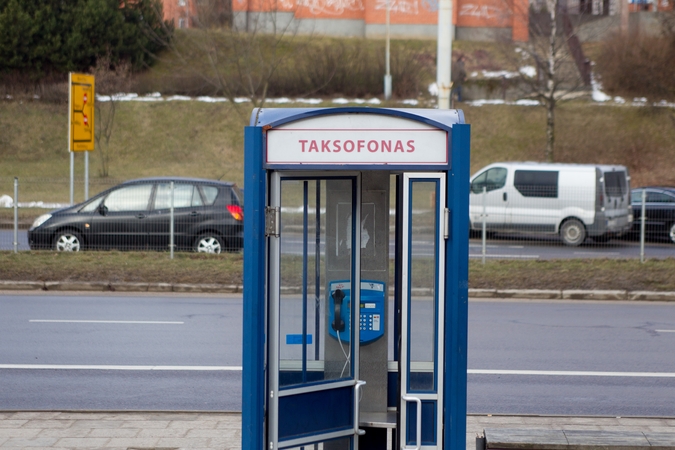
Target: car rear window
(210,194)
(615,184)
(184,196)
(536,183)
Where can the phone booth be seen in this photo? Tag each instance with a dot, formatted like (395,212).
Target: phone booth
(355,279)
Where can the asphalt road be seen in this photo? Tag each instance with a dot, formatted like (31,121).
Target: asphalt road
(150,352)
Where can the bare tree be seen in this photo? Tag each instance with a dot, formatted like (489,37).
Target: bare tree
(110,81)
(551,65)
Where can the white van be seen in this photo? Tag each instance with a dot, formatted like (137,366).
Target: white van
(572,200)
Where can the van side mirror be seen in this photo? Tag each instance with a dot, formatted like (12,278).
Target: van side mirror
(102,209)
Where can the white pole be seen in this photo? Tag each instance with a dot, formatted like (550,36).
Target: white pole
(16,215)
(642,227)
(444,53)
(70,127)
(387,76)
(171,226)
(484,216)
(86,175)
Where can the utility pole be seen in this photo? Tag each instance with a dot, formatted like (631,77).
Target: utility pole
(444,53)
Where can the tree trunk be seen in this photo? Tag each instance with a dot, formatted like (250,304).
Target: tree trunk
(550,129)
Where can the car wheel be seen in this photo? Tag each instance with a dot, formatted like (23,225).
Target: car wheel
(209,243)
(68,241)
(671,233)
(572,233)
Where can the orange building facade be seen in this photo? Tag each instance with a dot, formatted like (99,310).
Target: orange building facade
(473,19)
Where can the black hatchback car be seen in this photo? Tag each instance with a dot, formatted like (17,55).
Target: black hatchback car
(136,215)
(659,212)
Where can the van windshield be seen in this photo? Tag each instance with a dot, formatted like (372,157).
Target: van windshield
(615,184)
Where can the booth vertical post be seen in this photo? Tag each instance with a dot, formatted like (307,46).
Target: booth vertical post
(457,294)
(253,368)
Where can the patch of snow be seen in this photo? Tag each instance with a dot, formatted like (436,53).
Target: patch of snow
(665,104)
(474,74)
(433,89)
(486,102)
(211,99)
(528,71)
(6,201)
(311,101)
(527,102)
(181,98)
(619,100)
(499,74)
(242,100)
(597,95)
(410,102)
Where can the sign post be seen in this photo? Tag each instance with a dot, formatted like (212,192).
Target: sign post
(80,124)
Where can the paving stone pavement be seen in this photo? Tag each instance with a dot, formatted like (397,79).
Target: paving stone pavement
(222,430)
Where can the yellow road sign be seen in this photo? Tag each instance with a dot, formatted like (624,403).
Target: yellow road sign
(81,117)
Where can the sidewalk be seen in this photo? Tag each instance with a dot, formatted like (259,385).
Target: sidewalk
(214,430)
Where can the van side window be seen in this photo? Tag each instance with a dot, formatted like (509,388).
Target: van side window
(491,179)
(615,184)
(537,183)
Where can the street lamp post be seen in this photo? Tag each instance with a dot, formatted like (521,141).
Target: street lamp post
(444,53)
(387,75)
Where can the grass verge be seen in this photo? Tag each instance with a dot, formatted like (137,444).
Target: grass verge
(156,267)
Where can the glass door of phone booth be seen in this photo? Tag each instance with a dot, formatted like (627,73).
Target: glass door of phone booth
(324,308)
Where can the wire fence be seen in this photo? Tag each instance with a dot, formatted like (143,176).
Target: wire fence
(163,214)
(207,216)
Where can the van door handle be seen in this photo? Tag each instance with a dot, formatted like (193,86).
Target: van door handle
(504,196)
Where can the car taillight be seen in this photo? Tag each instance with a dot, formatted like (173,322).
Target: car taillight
(236,212)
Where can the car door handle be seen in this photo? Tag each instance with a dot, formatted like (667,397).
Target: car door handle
(194,213)
(140,216)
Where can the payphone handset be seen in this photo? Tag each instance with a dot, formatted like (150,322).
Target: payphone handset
(371,310)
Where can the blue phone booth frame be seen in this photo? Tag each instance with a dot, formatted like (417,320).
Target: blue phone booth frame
(256,184)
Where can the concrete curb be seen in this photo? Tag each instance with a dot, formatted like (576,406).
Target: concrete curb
(531,294)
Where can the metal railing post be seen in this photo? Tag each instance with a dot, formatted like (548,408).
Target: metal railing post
(484,216)
(16,215)
(171,225)
(642,227)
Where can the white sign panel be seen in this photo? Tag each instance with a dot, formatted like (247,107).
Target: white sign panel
(357,139)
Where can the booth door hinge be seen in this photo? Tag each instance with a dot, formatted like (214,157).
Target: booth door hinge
(272,221)
(446,223)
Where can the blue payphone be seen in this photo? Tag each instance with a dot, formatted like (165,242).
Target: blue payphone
(371,310)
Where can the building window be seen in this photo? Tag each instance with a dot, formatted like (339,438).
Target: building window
(182,23)
(182,2)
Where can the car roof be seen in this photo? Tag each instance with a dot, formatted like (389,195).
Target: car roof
(180,179)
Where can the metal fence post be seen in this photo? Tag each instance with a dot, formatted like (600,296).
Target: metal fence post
(642,227)
(484,216)
(171,224)
(16,215)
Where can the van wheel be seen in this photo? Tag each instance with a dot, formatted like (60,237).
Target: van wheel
(572,233)
(68,241)
(671,233)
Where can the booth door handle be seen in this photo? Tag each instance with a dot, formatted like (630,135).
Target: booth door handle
(418,436)
(357,392)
